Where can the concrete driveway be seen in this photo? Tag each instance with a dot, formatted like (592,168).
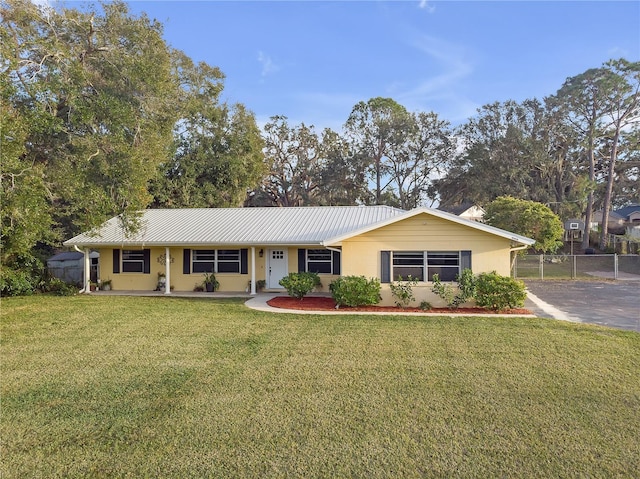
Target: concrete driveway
(608,303)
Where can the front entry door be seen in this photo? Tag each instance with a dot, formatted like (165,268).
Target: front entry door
(278,267)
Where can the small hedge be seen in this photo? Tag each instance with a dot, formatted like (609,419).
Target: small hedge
(498,292)
(355,291)
(298,285)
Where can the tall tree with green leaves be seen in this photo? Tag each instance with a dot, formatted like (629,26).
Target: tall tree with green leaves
(98,90)
(218,156)
(622,109)
(376,128)
(527,218)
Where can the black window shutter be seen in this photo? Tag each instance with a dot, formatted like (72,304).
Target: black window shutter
(302,260)
(186,261)
(147,261)
(385,263)
(465,260)
(244,261)
(116,261)
(336,262)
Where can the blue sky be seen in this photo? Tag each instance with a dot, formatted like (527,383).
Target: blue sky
(312,61)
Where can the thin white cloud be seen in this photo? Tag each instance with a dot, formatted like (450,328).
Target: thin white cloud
(443,88)
(425,5)
(268,66)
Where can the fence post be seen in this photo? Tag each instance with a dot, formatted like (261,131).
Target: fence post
(541,266)
(615,265)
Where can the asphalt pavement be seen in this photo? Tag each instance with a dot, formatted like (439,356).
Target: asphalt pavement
(614,304)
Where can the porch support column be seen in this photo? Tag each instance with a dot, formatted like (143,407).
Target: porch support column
(167,270)
(253,271)
(87,271)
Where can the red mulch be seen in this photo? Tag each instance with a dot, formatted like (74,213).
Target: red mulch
(321,303)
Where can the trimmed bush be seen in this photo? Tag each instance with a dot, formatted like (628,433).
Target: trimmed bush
(498,292)
(298,285)
(355,291)
(402,291)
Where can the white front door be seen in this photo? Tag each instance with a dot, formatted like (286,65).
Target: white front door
(278,267)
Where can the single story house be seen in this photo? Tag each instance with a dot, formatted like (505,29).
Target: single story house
(244,245)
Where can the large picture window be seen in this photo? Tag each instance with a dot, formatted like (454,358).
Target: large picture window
(216,261)
(422,265)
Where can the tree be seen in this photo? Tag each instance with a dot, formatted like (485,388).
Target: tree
(375,128)
(218,156)
(295,160)
(622,87)
(98,90)
(427,147)
(526,218)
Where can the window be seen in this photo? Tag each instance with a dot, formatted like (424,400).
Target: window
(445,263)
(228,261)
(133,261)
(216,261)
(204,260)
(422,265)
(407,263)
(319,261)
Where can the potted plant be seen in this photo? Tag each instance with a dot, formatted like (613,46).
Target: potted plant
(162,282)
(210,282)
(260,285)
(106,285)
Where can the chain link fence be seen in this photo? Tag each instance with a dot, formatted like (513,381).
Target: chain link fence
(603,266)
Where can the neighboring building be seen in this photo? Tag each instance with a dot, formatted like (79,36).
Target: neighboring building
(619,219)
(468,211)
(69,266)
(242,245)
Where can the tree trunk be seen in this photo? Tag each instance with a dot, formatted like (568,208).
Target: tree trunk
(607,196)
(589,212)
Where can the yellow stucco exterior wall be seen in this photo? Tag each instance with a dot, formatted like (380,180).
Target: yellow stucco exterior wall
(229,282)
(423,232)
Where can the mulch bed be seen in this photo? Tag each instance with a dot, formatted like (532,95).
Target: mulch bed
(320,303)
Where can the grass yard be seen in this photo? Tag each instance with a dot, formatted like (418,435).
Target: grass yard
(168,387)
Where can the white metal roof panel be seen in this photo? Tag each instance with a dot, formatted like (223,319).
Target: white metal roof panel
(239,226)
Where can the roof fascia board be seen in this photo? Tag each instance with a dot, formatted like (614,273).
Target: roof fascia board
(439,214)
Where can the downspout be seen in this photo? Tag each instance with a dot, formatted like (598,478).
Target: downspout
(87,272)
(513,257)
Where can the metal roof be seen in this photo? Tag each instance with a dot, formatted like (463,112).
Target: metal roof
(238,226)
(313,225)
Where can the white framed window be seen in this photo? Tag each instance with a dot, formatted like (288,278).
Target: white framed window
(408,263)
(203,260)
(133,261)
(422,265)
(319,261)
(228,261)
(445,263)
(215,261)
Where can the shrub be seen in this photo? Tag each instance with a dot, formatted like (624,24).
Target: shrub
(355,291)
(298,285)
(15,283)
(425,306)
(453,296)
(498,292)
(59,287)
(402,291)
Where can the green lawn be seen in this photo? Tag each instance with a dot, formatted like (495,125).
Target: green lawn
(169,387)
